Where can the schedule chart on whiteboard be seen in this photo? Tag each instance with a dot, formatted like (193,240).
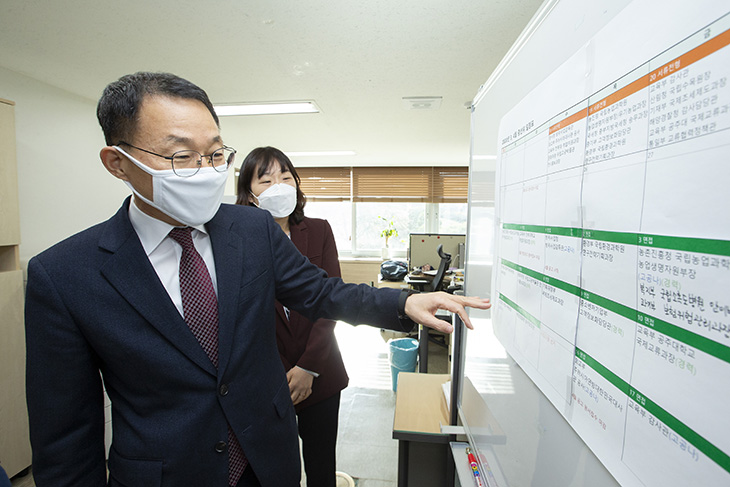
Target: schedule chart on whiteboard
(612,282)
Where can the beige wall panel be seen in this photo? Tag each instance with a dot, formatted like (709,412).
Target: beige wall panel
(360,271)
(15,454)
(9,258)
(9,219)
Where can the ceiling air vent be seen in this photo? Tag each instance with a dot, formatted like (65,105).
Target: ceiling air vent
(421,102)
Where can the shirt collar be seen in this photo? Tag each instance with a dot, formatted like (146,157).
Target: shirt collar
(150,230)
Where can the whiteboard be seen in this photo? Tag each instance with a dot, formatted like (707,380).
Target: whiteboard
(609,275)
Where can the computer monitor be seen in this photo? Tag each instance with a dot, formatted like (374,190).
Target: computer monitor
(422,249)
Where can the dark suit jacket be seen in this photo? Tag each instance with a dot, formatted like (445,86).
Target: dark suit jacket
(312,345)
(95,309)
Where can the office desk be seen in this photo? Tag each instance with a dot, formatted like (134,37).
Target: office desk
(392,284)
(417,282)
(424,456)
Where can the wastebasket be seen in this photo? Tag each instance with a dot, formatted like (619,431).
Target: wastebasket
(403,354)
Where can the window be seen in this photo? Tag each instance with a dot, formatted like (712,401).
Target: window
(451,218)
(416,199)
(407,218)
(339,216)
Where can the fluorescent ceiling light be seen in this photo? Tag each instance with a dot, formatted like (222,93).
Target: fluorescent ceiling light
(322,153)
(273,108)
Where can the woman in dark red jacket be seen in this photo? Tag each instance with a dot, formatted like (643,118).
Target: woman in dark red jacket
(308,349)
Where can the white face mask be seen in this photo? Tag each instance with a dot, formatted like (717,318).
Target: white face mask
(279,200)
(190,200)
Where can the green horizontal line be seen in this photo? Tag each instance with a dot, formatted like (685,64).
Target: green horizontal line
(565,286)
(707,345)
(520,310)
(524,228)
(704,344)
(617,308)
(523,270)
(712,452)
(562,231)
(512,265)
(698,245)
(617,381)
(615,237)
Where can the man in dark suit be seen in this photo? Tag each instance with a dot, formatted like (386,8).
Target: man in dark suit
(4,480)
(169,305)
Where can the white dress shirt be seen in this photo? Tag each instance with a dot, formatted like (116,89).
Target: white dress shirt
(164,253)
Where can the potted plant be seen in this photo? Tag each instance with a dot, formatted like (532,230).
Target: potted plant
(387,232)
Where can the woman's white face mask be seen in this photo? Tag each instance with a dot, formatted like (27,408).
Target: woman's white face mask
(278,199)
(191,201)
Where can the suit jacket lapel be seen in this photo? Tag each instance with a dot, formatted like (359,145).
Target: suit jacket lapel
(228,253)
(300,239)
(130,272)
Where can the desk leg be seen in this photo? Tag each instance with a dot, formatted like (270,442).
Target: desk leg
(403,463)
(423,349)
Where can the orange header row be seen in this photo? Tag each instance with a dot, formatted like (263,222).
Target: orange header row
(699,52)
(618,95)
(567,121)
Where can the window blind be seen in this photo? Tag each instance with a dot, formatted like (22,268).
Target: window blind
(391,184)
(405,184)
(450,185)
(325,183)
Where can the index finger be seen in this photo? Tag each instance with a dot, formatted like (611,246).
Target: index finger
(461,302)
(475,302)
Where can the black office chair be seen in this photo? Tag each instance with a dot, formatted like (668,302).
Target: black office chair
(438,279)
(423,336)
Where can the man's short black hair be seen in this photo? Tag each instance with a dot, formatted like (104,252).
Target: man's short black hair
(119,103)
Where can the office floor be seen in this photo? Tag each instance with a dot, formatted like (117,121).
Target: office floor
(365,448)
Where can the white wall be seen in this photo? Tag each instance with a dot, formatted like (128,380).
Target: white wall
(63,187)
(542,53)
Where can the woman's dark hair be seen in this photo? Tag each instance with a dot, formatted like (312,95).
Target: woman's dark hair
(257,162)
(119,104)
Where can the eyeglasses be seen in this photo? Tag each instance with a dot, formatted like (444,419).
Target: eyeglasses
(184,160)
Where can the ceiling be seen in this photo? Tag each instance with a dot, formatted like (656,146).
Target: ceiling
(356,60)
